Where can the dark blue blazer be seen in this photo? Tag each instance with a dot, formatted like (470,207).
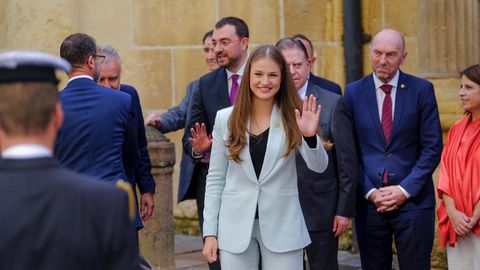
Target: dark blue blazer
(325,84)
(137,165)
(324,195)
(174,119)
(413,151)
(53,218)
(211,96)
(97,125)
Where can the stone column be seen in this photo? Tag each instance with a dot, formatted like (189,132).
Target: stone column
(448,36)
(157,238)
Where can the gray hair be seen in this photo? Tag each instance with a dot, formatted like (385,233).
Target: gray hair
(110,53)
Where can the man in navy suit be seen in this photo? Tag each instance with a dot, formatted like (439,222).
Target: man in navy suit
(98,125)
(51,217)
(176,117)
(216,90)
(327,198)
(400,142)
(322,82)
(138,167)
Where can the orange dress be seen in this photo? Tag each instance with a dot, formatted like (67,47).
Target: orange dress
(459,175)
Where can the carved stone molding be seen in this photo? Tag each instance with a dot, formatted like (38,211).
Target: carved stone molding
(448,36)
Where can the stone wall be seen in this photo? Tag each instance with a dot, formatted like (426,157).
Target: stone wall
(159,40)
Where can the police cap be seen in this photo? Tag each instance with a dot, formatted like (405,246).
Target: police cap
(30,66)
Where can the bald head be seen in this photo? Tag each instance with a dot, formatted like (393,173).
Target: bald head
(387,53)
(390,36)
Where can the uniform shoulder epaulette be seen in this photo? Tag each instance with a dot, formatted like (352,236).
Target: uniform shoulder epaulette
(131,198)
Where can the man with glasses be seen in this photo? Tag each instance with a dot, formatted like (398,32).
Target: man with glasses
(327,199)
(322,82)
(216,90)
(98,124)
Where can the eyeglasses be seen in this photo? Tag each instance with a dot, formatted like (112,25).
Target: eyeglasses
(101,57)
(224,42)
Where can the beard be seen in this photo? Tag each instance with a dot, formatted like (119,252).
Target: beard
(96,73)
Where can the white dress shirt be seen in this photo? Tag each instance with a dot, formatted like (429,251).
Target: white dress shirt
(79,77)
(303,90)
(26,151)
(380,97)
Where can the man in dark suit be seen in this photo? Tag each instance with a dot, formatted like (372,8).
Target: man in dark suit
(176,118)
(322,82)
(51,217)
(400,141)
(327,198)
(216,90)
(98,124)
(137,167)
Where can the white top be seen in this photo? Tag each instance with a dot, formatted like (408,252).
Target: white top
(27,151)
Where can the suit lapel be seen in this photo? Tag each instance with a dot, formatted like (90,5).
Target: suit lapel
(222,84)
(400,98)
(275,143)
(371,99)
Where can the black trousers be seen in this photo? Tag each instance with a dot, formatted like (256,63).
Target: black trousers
(322,253)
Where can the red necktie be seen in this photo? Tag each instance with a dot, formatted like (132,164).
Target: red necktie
(234,89)
(386,119)
(387,112)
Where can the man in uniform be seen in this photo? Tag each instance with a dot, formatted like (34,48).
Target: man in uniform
(51,217)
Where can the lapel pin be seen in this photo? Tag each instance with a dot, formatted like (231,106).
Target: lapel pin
(402,85)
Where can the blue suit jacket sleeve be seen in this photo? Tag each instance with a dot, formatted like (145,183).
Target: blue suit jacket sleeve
(174,118)
(363,184)
(130,154)
(143,167)
(430,143)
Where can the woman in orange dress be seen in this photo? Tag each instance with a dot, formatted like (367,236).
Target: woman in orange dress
(459,181)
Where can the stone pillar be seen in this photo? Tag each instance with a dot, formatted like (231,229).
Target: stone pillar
(157,238)
(448,36)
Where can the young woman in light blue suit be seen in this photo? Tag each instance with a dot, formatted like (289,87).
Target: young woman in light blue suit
(251,200)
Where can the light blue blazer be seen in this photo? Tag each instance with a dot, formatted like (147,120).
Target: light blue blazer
(233,191)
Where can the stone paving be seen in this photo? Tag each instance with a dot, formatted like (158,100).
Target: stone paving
(188,255)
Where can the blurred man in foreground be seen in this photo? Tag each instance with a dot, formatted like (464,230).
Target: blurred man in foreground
(51,217)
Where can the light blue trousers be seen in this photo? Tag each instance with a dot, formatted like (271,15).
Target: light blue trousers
(249,259)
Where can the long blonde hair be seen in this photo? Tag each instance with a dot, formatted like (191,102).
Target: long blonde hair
(286,99)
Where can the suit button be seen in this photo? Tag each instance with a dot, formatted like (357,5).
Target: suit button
(388,154)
